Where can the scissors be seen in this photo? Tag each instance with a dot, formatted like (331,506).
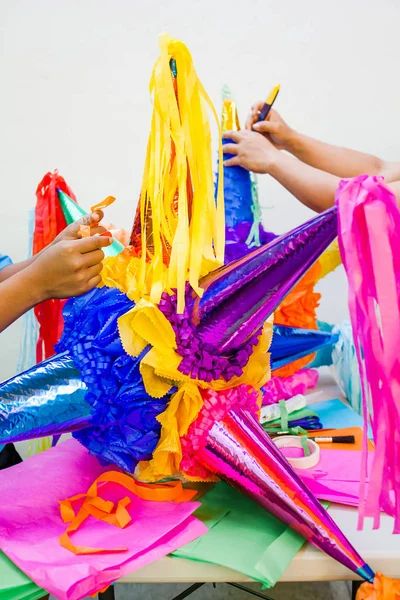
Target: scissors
(309,423)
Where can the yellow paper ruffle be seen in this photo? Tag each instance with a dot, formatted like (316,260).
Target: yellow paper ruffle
(145,324)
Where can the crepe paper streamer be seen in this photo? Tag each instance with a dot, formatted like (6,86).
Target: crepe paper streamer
(49,217)
(239,297)
(369,240)
(27,349)
(330,260)
(279,388)
(102,204)
(383,588)
(157,528)
(291,343)
(266,547)
(136,234)
(49,222)
(345,362)
(182,118)
(15,585)
(73,212)
(227,440)
(106,511)
(48,399)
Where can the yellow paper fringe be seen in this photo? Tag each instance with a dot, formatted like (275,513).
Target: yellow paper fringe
(330,259)
(199,237)
(39,445)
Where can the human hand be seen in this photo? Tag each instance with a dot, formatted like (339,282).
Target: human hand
(274,127)
(72,232)
(251,150)
(68,268)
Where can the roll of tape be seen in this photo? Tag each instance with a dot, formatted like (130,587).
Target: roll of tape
(301,462)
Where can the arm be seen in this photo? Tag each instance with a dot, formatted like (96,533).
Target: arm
(11,270)
(17,296)
(313,187)
(68,234)
(338,161)
(61,271)
(341,162)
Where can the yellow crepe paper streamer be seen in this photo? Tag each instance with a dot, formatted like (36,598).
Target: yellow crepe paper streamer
(330,259)
(197,238)
(39,445)
(145,324)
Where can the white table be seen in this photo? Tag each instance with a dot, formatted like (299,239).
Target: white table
(380,549)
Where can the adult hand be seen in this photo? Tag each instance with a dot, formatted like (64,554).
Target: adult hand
(68,268)
(274,127)
(91,220)
(251,150)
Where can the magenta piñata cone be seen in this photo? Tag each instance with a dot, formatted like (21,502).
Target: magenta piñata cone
(226,440)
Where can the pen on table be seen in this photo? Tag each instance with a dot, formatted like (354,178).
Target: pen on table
(268,104)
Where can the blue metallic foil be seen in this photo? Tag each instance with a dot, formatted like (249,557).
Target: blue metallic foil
(47,399)
(290,343)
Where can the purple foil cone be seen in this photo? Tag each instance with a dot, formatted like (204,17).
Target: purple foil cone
(239,297)
(240,452)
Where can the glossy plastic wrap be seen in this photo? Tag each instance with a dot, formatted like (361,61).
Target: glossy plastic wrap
(239,297)
(48,399)
(240,452)
(291,343)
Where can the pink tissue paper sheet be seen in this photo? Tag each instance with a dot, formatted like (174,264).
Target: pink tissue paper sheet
(336,478)
(30,524)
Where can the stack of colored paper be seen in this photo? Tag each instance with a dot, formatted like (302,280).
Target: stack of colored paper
(242,536)
(30,525)
(14,584)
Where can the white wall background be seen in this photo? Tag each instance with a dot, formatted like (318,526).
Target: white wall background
(74,94)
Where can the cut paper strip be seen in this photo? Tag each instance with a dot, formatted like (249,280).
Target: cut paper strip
(30,528)
(242,536)
(336,478)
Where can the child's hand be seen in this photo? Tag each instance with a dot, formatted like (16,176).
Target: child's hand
(251,150)
(274,128)
(72,231)
(68,268)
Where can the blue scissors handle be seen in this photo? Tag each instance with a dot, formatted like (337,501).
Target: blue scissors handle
(306,423)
